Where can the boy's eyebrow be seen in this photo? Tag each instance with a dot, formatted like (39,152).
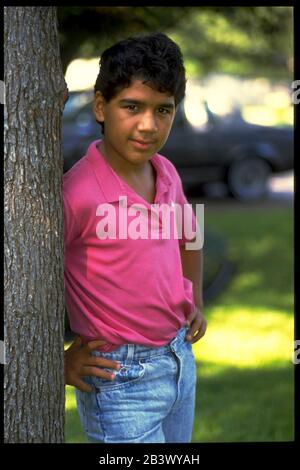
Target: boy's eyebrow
(132,101)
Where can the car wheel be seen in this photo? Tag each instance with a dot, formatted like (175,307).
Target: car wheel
(247,179)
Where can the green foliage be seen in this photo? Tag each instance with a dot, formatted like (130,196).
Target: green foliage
(87,31)
(247,41)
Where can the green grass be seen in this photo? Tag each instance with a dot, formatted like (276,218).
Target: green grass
(73,430)
(245,388)
(245,373)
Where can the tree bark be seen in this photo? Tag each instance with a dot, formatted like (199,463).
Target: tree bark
(33,220)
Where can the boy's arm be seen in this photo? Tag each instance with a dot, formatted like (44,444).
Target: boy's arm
(192,267)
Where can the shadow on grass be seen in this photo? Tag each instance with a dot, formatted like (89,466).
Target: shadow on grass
(245,405)
(260,245)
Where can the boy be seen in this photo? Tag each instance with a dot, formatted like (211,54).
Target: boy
(131,298)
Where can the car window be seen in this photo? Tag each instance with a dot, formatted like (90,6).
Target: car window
(76,102)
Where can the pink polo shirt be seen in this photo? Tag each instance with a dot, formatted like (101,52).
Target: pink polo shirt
(121,288)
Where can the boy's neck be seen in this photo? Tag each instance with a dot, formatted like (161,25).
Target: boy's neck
(123,167)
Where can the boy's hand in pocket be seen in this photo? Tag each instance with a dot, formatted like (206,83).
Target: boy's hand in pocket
(79,362)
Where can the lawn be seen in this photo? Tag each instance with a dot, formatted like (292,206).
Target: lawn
(245,388)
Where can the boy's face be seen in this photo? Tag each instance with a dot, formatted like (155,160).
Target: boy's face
(137,121)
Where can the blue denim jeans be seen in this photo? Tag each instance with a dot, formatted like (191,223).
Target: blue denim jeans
(152,398)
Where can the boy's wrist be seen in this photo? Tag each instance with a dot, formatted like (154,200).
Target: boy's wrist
(199,304)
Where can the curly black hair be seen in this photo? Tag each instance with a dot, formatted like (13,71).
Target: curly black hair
(153,58)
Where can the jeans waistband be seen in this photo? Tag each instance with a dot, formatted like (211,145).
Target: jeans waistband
(129,351)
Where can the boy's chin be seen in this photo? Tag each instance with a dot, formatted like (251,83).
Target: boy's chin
(138,159)
(140,156)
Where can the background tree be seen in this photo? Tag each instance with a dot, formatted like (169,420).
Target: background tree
(235,40)
(81,30)
(243,41)
(34,281)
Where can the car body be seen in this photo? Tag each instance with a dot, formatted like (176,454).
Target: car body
(227,150)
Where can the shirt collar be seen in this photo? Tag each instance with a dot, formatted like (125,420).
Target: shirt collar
(112,185)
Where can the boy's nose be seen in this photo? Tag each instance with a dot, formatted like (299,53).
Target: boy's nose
(148,123)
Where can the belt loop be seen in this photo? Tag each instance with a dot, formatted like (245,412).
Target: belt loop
(130,354)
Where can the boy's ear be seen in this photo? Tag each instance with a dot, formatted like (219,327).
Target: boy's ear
(98,106)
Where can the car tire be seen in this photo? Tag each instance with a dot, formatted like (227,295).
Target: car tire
(247,179)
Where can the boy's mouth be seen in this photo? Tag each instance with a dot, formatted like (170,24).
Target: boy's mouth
(142,144)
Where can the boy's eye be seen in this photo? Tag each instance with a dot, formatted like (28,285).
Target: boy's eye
(163,111)
(132,107)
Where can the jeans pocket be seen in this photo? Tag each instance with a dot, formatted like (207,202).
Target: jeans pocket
(125,376)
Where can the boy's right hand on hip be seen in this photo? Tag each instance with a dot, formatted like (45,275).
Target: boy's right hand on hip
(79,362)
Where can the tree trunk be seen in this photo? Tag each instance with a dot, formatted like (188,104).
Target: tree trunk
(34,281)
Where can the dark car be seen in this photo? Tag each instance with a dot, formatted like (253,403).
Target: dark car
(227,150)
